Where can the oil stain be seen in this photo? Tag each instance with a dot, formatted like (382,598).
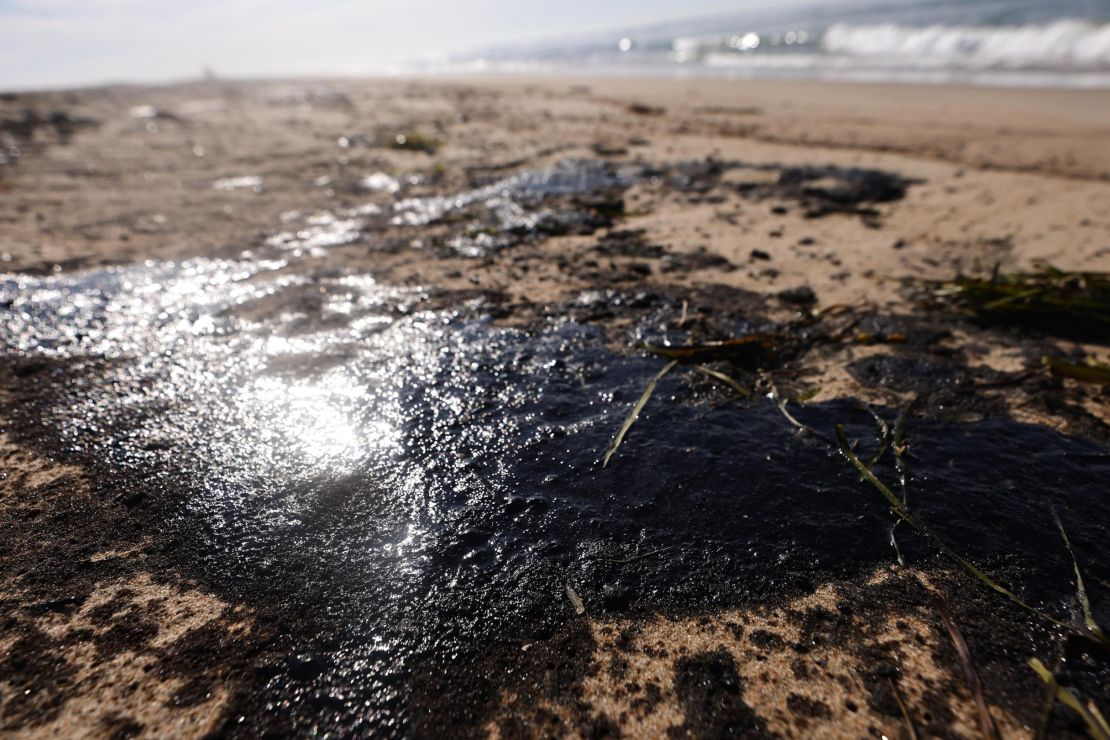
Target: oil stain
(403,492)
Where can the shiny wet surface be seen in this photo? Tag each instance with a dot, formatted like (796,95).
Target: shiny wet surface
(401,491)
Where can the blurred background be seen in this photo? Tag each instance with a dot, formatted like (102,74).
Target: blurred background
(52,43)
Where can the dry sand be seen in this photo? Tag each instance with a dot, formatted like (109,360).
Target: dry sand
(1000,177)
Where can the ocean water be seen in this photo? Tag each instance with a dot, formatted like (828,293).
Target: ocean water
(994,42)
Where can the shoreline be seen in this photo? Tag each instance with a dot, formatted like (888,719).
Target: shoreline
(1020,80)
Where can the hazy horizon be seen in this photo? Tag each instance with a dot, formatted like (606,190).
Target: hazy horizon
(58,43)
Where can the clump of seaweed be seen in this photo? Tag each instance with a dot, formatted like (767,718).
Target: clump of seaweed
(413,141)
(1052,300)
(1087,371)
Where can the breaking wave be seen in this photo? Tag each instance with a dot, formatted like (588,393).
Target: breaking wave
(1060,45)
(1065,43)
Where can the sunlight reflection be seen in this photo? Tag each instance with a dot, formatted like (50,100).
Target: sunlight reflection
(314,419)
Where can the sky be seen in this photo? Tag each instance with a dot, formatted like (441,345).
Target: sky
(52,43)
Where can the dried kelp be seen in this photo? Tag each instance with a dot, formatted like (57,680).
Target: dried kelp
(1057,302)
(1091,716)
(1081,589)
(987,725)
(746,350)
(631,418)
(1086,372)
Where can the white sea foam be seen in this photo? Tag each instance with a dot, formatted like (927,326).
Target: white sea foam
(1065,43)
(1060,45)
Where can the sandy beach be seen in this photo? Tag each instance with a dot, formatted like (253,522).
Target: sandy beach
(467,272)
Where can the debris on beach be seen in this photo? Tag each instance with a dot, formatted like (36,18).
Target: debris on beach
(412,140)
(1088,371)
(1071,304)
(824,191)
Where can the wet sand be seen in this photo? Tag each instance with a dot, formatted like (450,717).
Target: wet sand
(307,387)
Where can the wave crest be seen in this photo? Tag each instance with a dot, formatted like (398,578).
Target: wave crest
(1062,44)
